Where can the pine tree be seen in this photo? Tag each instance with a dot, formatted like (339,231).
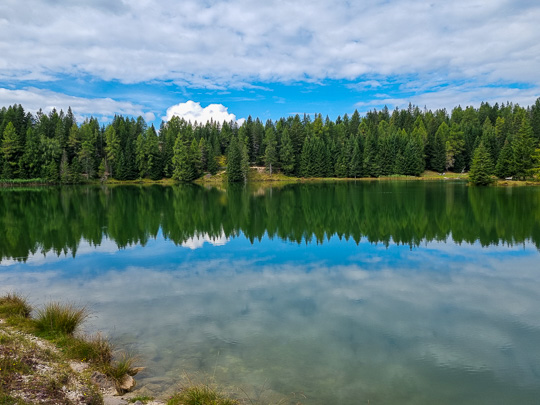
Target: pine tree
(371,163)
(112,149)
(64,168)
(287,153)
(195,159)
(154,168)
(235,172)
(505,164)
(212,159)
(356,162)
(270,153)
(535,171)
(183,171)
(413,158)
(523,148)
(481,167)
(11,150)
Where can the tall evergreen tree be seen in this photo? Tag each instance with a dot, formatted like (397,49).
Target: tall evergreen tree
(235,171)
(287,157)
(505,163)
(112,149)
(482,166)
(523,148)
(11,149)
(270,153)
(182,162)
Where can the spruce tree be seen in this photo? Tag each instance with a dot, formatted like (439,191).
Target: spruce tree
(11,149)
(235,172)
(182,161)
(505,164)
(356,162)
(523,148)
(286,153)
(270,152)
(481,167)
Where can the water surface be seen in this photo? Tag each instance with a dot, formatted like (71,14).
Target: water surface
(349,293)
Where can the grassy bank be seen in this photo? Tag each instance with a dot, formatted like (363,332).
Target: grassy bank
(45,359)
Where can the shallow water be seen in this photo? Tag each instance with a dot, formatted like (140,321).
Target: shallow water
(349,293)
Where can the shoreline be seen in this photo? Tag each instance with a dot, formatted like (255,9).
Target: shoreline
(42,360)
(258,176)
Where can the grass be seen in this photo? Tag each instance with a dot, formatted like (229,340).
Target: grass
(14,305)
(95,348)
(58,323)
(200,394)
(123,365)
(58,318)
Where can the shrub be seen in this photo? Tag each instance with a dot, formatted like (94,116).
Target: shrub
(14,304)
(58,318)
(94,348)
(200,394)
(123,365)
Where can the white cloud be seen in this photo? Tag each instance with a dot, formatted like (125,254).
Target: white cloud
(32,99)
(222,44)
(435,96)
(192,111)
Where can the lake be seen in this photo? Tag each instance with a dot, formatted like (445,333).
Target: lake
(320,293)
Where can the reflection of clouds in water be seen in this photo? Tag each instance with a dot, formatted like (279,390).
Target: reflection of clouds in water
(364,327)
(199,240)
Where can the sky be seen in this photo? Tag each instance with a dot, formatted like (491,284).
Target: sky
(226,60)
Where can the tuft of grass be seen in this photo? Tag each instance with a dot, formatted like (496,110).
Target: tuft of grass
(60,319)
(14,305)
(94,348)
(123,365)
(200,394)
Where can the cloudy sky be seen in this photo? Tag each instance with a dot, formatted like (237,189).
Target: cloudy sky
(272,58)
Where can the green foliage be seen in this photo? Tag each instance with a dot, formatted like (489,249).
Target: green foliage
(186,160)
(11,149)
(53,146)
(505,164)
(14,304)
(287,156)
(95,348)
(200,394)
(235,167)
(481,167)
(535,171)
(270,152)
(122,365)
(58,318)
(523,148)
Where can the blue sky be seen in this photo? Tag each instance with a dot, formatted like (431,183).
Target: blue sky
(267,59)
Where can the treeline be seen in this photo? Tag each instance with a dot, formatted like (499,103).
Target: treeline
(505,139)
(57,219)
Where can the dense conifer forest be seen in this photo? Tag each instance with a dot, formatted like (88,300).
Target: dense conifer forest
(501,140)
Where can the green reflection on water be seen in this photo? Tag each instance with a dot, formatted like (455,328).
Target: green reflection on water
(404,212)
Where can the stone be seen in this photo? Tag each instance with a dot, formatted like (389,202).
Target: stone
(126,385)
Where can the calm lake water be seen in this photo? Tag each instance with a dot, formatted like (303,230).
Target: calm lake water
(347,293)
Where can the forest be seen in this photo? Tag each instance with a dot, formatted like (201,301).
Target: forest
(492,140)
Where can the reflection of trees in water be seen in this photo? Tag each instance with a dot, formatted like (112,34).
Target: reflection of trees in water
(56,219)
